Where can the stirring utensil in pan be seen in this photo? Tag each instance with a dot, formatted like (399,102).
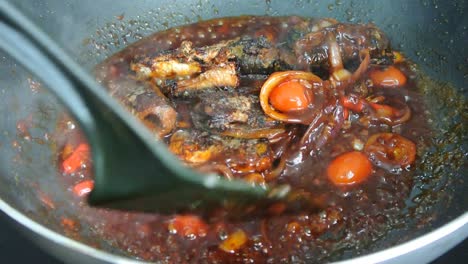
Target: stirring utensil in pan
(132,170)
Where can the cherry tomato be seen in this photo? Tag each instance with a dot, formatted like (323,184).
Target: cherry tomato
(349,168)
(289,96)
(389,77)
(234,242)
(352,103)
(188,225)
(390,151)
(68,223)
(83,188)
(80,156)
(383,110)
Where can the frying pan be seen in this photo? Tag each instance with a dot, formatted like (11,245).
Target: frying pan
(431,33)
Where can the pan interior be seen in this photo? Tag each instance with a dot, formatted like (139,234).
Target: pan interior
(431,33)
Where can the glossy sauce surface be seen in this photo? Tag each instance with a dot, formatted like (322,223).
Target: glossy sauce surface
(224,129)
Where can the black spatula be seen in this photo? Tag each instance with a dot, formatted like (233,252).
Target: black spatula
(132,170)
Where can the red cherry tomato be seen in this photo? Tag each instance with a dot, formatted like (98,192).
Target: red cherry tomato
(389,77)
(83,188)
(188,225)
(80,156)
(349,168)
(289,96)
(352,103)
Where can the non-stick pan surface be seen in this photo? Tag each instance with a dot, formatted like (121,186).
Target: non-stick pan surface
(432,33)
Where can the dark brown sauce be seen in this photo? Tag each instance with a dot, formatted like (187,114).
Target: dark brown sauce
(346,217)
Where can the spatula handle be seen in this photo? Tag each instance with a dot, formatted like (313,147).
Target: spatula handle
(130,165)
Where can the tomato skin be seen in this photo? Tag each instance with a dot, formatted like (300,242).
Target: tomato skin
(289,96)
(80,156)
(83,188)
(353,104)
(387,78)
(383,110)
(390,151)
(349,168)
(234,242)
(188,225)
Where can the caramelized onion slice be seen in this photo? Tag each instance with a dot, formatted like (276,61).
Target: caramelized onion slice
(222,169)
(337,70)
(340,77)
(362,67)
(396,114)
(276,79)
